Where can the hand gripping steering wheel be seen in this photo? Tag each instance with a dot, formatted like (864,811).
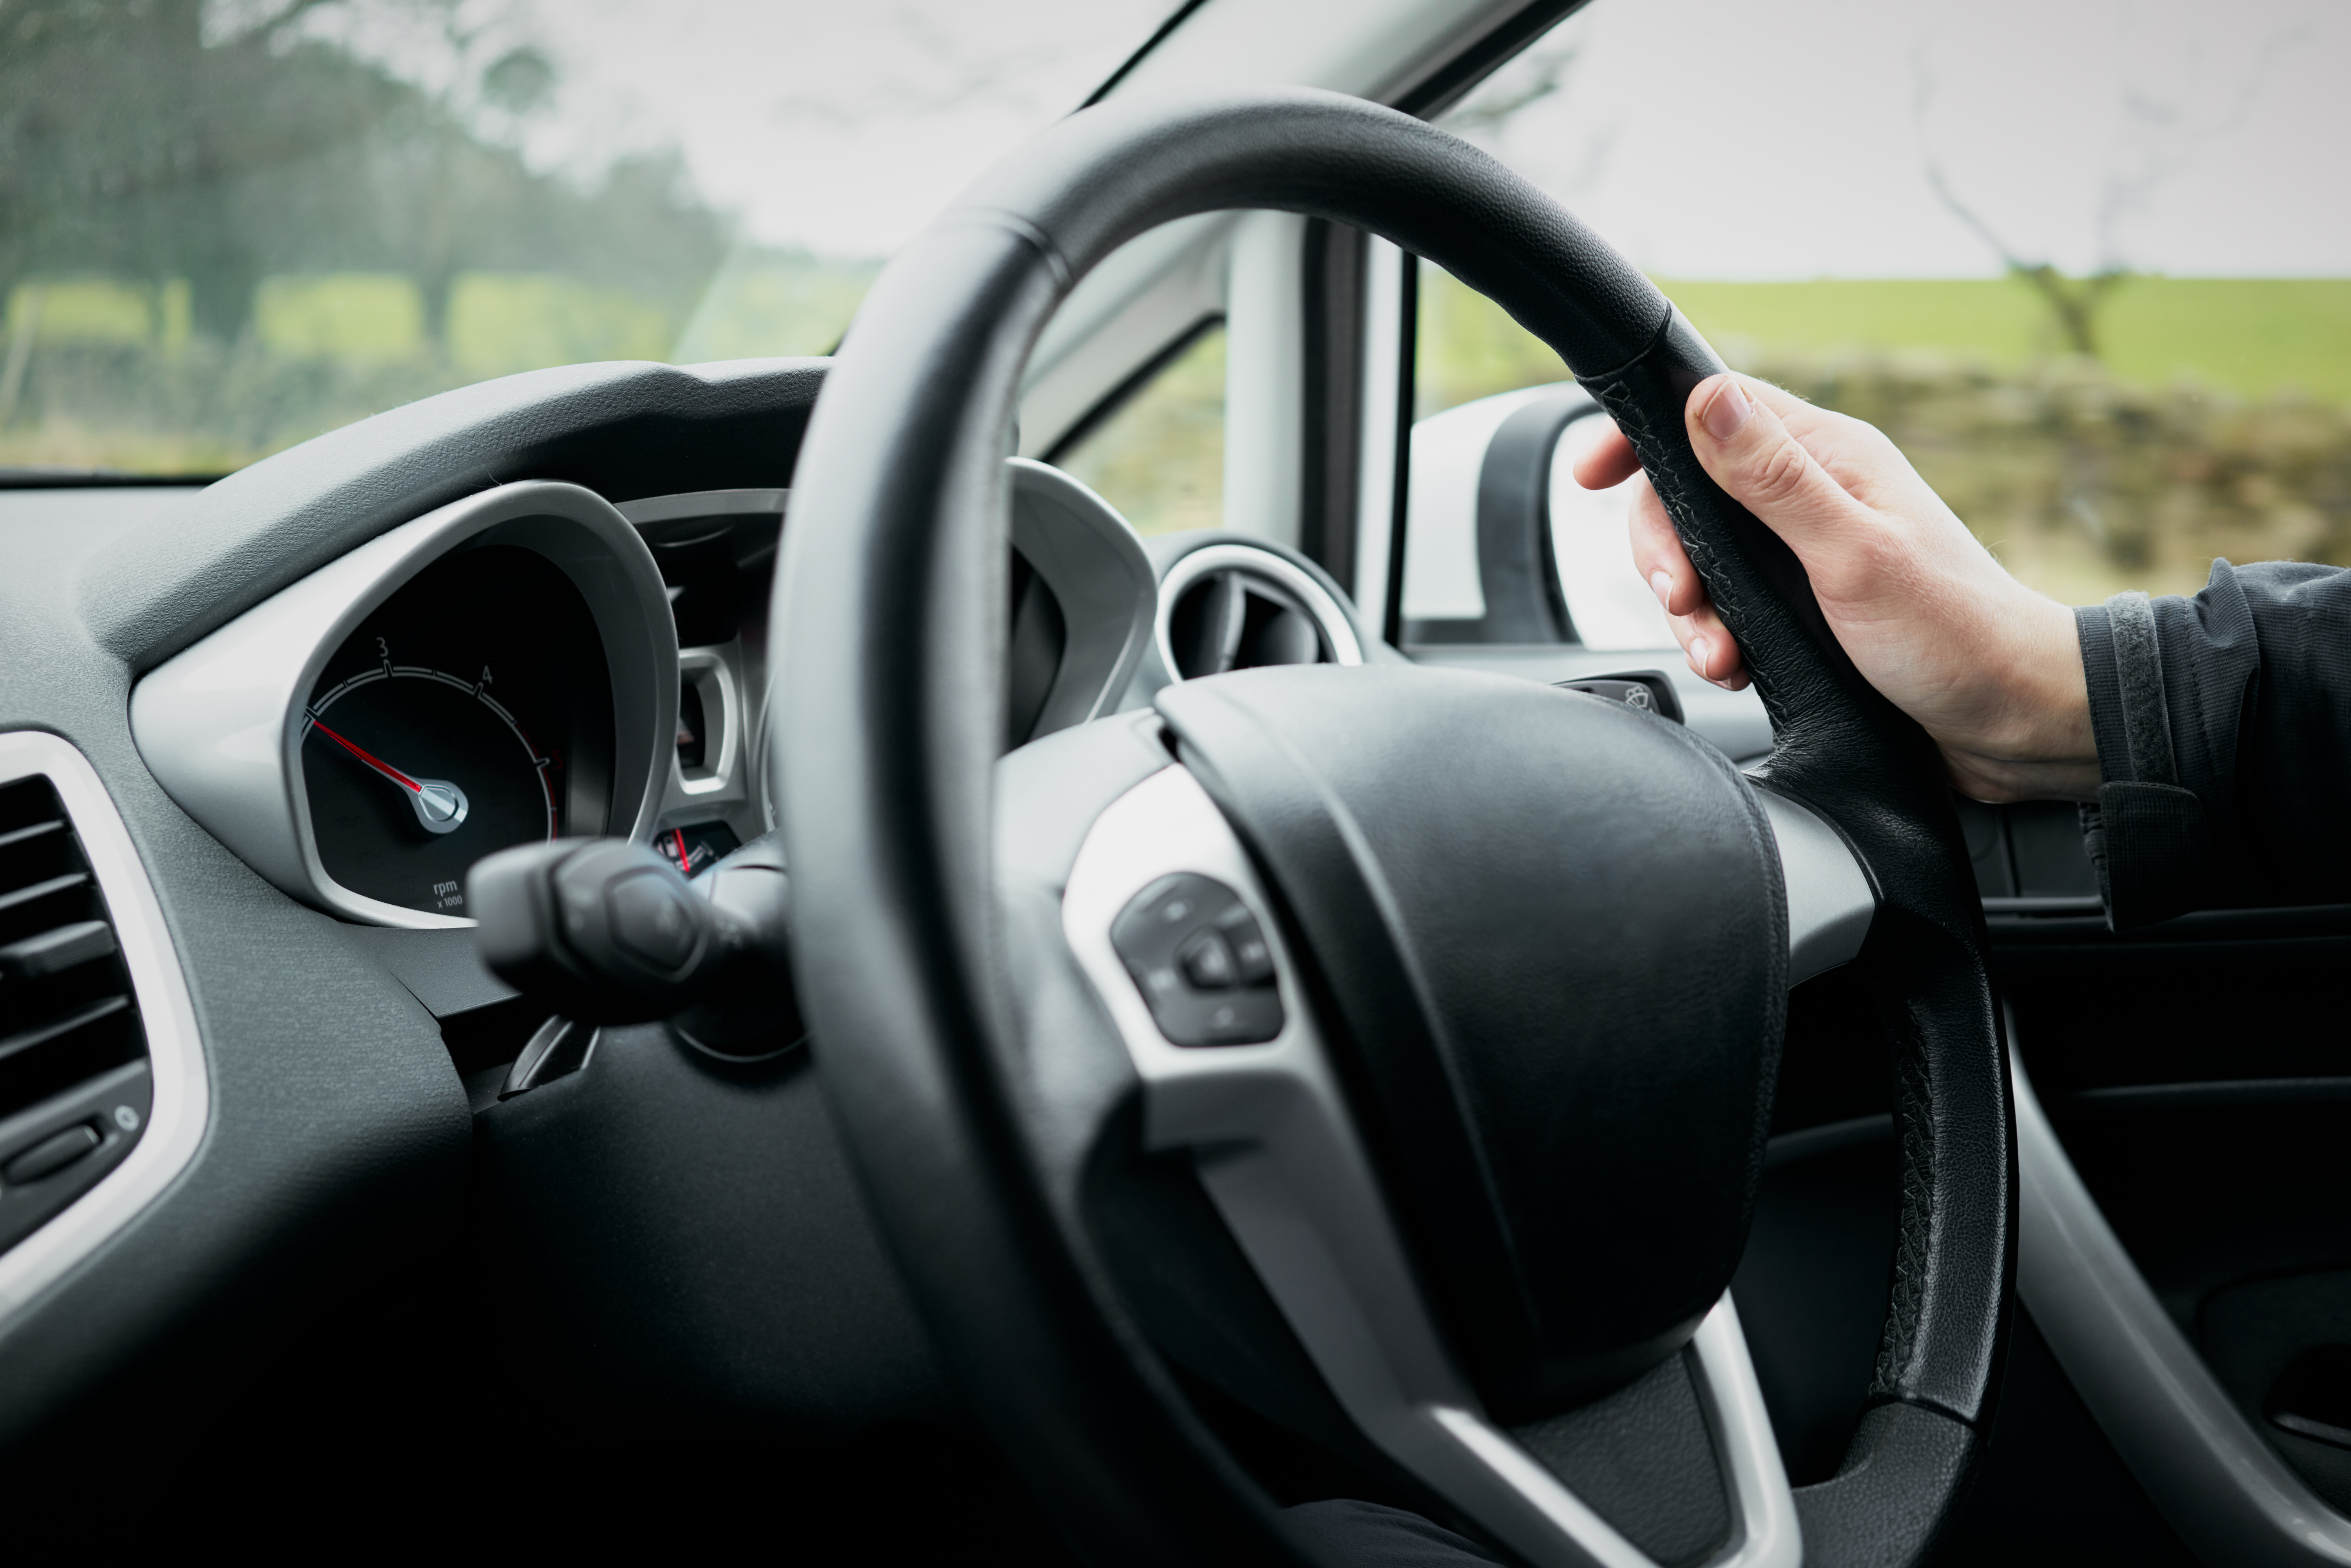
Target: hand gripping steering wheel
(1383,1054)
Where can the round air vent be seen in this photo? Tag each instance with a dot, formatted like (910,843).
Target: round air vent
(1238,607)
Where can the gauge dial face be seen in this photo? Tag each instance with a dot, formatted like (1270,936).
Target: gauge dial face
(471,713)
(422,773)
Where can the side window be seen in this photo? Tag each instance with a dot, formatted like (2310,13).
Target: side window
(2074,284)
(1158,455)
(1481,384)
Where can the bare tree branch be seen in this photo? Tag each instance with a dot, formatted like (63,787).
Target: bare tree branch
(2168,138)
(2072,303)
(1538,75)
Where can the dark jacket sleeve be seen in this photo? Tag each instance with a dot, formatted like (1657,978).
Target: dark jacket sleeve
(2223,725)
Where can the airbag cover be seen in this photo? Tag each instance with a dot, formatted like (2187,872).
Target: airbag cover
(1554,943)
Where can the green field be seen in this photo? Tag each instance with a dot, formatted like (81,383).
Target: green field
(103,372)
(2253,337)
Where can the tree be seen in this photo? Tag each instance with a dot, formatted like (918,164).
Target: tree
(149,139)
(2160,135)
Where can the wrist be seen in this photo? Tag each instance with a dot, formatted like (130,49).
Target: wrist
(2039,743)
(1999,781)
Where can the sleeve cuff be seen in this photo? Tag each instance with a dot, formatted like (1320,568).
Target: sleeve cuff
(2151,846)
(2148,837)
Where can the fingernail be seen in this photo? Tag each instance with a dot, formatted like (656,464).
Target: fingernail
(1662,581)
(1701,652)
(1727,410)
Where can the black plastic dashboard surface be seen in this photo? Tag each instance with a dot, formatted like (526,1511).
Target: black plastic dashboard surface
(625,429)
(336,1159)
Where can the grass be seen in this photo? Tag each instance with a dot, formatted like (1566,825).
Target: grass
(2253,337)
(106,372)
(500,323)
(768,303)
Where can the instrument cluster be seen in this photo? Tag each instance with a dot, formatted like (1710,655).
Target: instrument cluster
(472,711)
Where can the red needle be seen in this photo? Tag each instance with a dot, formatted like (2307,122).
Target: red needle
(386,769)
(679,834)
(440,806)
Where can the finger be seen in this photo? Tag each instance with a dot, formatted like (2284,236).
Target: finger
(1712,652)
(1818,428)
(1750,451)
(1608,461)
(1658,556)
(1801,417)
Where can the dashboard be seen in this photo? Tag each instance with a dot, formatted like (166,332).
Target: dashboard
(532,663)
(258,734)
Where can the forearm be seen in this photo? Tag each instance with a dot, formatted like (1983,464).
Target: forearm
(2223,758)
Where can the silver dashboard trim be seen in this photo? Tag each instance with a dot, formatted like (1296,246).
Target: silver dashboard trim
(2227,1492)
(1278,1154)
(220,723)
(181,1102)
(704,504)
(1101,582)
(1330,617)
(730,789)
(714,676)
(1830,901)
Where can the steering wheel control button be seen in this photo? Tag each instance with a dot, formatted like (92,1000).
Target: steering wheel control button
(1650,691)
(1252,960)
(1208,962)
(1201,962)
(651,921)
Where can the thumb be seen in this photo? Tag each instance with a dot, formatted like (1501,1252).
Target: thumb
(1748,450)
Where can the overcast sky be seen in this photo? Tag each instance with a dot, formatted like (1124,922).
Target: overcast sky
(1792,140)
(839,125)
(1717,139)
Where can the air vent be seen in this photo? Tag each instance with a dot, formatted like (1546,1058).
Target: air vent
(75,1089)
(1240,607)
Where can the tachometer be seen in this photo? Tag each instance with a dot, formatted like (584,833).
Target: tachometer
(471,713)
(415,774)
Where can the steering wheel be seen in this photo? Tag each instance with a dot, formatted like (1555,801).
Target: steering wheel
(1382,1055)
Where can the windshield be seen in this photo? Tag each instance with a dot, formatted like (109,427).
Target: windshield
(227,226)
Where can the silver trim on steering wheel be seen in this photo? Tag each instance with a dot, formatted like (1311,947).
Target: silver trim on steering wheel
(1279,1155)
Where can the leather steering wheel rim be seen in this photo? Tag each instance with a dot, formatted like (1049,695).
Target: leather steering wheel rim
(890,617)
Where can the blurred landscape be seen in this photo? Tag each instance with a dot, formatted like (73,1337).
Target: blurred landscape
(1160,459)
(2214,420)
(224,231)
(100,371)
(216,242)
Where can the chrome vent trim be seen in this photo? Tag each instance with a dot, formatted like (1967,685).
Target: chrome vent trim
(152,1103)
(1290,584)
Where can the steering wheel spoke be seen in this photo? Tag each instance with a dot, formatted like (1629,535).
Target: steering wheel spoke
(1277,1150)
